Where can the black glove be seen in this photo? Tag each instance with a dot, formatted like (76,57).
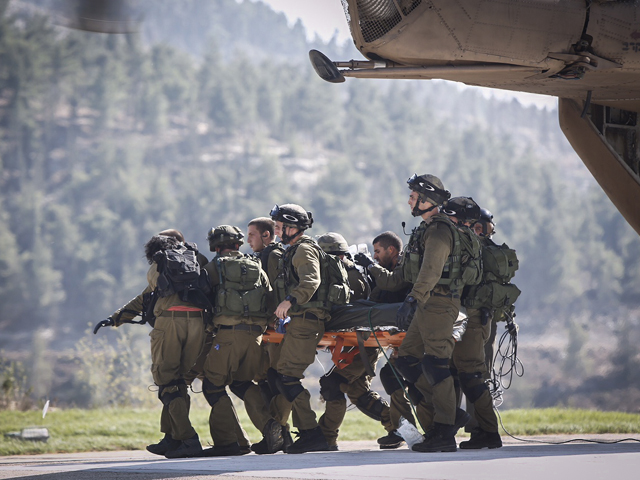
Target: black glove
(104,323)
(406,312)
(363,260)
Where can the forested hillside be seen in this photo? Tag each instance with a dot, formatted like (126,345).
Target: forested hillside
(106,140)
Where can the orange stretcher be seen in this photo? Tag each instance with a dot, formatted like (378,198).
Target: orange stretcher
(352,341)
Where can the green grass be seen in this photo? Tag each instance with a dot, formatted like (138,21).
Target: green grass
(76,430)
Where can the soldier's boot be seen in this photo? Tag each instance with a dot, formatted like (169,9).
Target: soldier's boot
(231,450)
(462,418)
(482,439)
(287,440)
(164,445)
(441,438)
(312,440)
(272,440)
(190,447)
(390,440)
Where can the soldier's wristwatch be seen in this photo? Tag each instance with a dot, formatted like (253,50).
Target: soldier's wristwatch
(291,299)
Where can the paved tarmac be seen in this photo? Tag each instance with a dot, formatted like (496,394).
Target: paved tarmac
(515,461)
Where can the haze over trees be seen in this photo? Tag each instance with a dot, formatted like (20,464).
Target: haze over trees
(106,140)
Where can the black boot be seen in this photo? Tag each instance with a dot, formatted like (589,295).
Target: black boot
(462,418)
(164,445)
(272,440)
(188,448)
(231,450)
(310,441)
(390,440)
(441,438)
(287,440)
(482,439)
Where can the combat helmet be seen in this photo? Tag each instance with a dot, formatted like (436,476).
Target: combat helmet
(486,219)
(333,243)
(292,215)
(430,189)
(224,235)
(465,209)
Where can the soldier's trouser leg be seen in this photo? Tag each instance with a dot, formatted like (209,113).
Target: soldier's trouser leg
(469,360)
(176,343)
(297,352)
(233,360)
(433,322)
(489,348)
(399,405)
(175,401)
(222,419)
(335,405)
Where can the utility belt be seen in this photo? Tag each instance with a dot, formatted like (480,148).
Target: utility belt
(184,311)
(242,326)
(455,296)
(308,316)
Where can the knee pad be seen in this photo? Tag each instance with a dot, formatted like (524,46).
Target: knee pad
(168,392)
(435,369)
(289,387)
(330,386)
(389,381)
(414,393)
(371,405)
(212,393)
(265,391)
(473,385)
(272,381)
(409,367)
(239,389)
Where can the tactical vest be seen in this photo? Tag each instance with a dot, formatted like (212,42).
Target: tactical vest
(462,267)
(495,291)
(242,290)
(334,283)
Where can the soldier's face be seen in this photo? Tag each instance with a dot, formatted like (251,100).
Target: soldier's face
(384,256)
(413,199)
(255,239)
(277,229)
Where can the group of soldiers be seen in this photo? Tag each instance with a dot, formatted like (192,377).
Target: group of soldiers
(285,285)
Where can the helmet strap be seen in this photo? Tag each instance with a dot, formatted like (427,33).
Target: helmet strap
(418,212)
(287,238)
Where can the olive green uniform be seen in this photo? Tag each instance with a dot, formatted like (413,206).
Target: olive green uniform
(176,341)
(234,360)
(469,363)
(353,379)
(392,288)
(429,337)
(304,332)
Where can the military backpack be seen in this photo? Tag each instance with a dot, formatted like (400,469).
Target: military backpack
(180,273)
(495,291)
(334,286)
(242,289)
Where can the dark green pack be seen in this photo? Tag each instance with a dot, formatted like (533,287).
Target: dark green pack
(334,286)
(495,291)
(180,273)
(500,263)
(242,289)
